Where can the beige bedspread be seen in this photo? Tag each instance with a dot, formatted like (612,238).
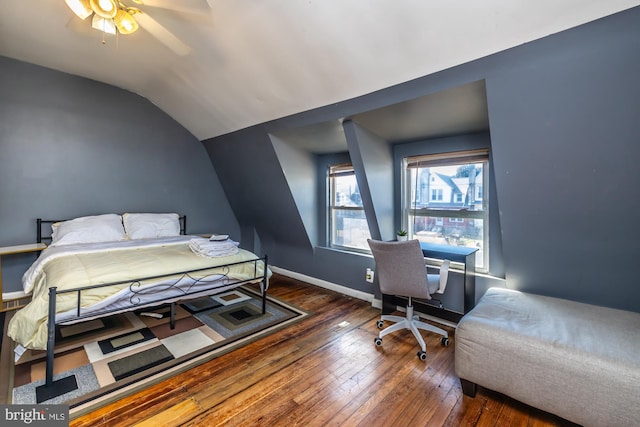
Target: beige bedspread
(68,269)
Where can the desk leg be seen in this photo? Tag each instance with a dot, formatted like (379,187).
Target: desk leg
(470,283)
(389,304)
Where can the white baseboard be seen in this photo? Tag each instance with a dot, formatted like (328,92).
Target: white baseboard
(375,302)
(325,284)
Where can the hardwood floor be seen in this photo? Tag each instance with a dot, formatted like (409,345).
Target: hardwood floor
(323,371)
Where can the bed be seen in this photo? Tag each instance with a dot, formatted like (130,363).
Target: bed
(100,265)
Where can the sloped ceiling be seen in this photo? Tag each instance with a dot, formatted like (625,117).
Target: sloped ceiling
(454,111)
(237,63)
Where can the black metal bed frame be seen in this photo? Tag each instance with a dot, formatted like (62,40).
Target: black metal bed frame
(58,387)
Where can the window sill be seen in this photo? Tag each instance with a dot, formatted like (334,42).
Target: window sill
(346,251)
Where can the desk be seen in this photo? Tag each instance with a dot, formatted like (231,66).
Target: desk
(460,254)
(10,250)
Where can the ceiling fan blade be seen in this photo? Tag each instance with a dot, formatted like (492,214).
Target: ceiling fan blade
(191,6)
(83,27)
(78,25)
(162,34)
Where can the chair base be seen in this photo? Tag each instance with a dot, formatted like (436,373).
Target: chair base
(413,323)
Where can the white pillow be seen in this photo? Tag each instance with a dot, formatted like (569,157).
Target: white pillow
(149,226)
(88,229)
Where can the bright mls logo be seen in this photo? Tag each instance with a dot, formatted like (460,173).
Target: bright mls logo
(34,415)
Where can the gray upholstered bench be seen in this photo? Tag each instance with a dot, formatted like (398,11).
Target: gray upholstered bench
(578,361)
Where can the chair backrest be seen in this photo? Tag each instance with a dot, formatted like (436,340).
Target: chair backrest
(401,268)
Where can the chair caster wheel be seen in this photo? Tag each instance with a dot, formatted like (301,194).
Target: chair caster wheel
(445,341)
(378,341)
(380,324)
(422,355)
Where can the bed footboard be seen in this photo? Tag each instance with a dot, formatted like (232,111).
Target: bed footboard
(55,388)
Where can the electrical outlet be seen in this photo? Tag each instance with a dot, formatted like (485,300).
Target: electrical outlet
(369,275)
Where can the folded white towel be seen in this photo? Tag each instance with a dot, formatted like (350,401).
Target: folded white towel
(209,253)
(206,248)
(203,243)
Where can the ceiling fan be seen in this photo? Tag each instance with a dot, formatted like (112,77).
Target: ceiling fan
(114,16)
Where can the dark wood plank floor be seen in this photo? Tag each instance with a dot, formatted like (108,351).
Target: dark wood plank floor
(323,371)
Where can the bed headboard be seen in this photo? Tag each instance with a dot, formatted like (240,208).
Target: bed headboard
(43,228)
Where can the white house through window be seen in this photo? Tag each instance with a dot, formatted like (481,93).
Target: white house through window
(445,200)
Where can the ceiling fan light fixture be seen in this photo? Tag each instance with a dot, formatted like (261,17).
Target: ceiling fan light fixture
(125,22)
(104,25)
(81,8)
(104,8)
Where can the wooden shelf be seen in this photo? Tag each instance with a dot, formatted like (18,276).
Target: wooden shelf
(31,247)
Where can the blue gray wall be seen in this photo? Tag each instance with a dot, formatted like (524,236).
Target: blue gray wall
(71,146)
(564,134)
(372,160)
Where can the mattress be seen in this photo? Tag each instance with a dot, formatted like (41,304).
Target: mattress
(73,266)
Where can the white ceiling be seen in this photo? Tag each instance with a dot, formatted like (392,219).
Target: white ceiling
(243,62)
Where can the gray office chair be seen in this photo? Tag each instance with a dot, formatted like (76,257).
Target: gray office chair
(402,271)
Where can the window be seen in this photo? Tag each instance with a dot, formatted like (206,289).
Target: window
(348,228)
(445,201)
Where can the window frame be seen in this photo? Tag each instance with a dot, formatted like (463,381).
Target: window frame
(334,170)
(456,158)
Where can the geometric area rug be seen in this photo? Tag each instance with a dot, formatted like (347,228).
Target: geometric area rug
(123,353)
